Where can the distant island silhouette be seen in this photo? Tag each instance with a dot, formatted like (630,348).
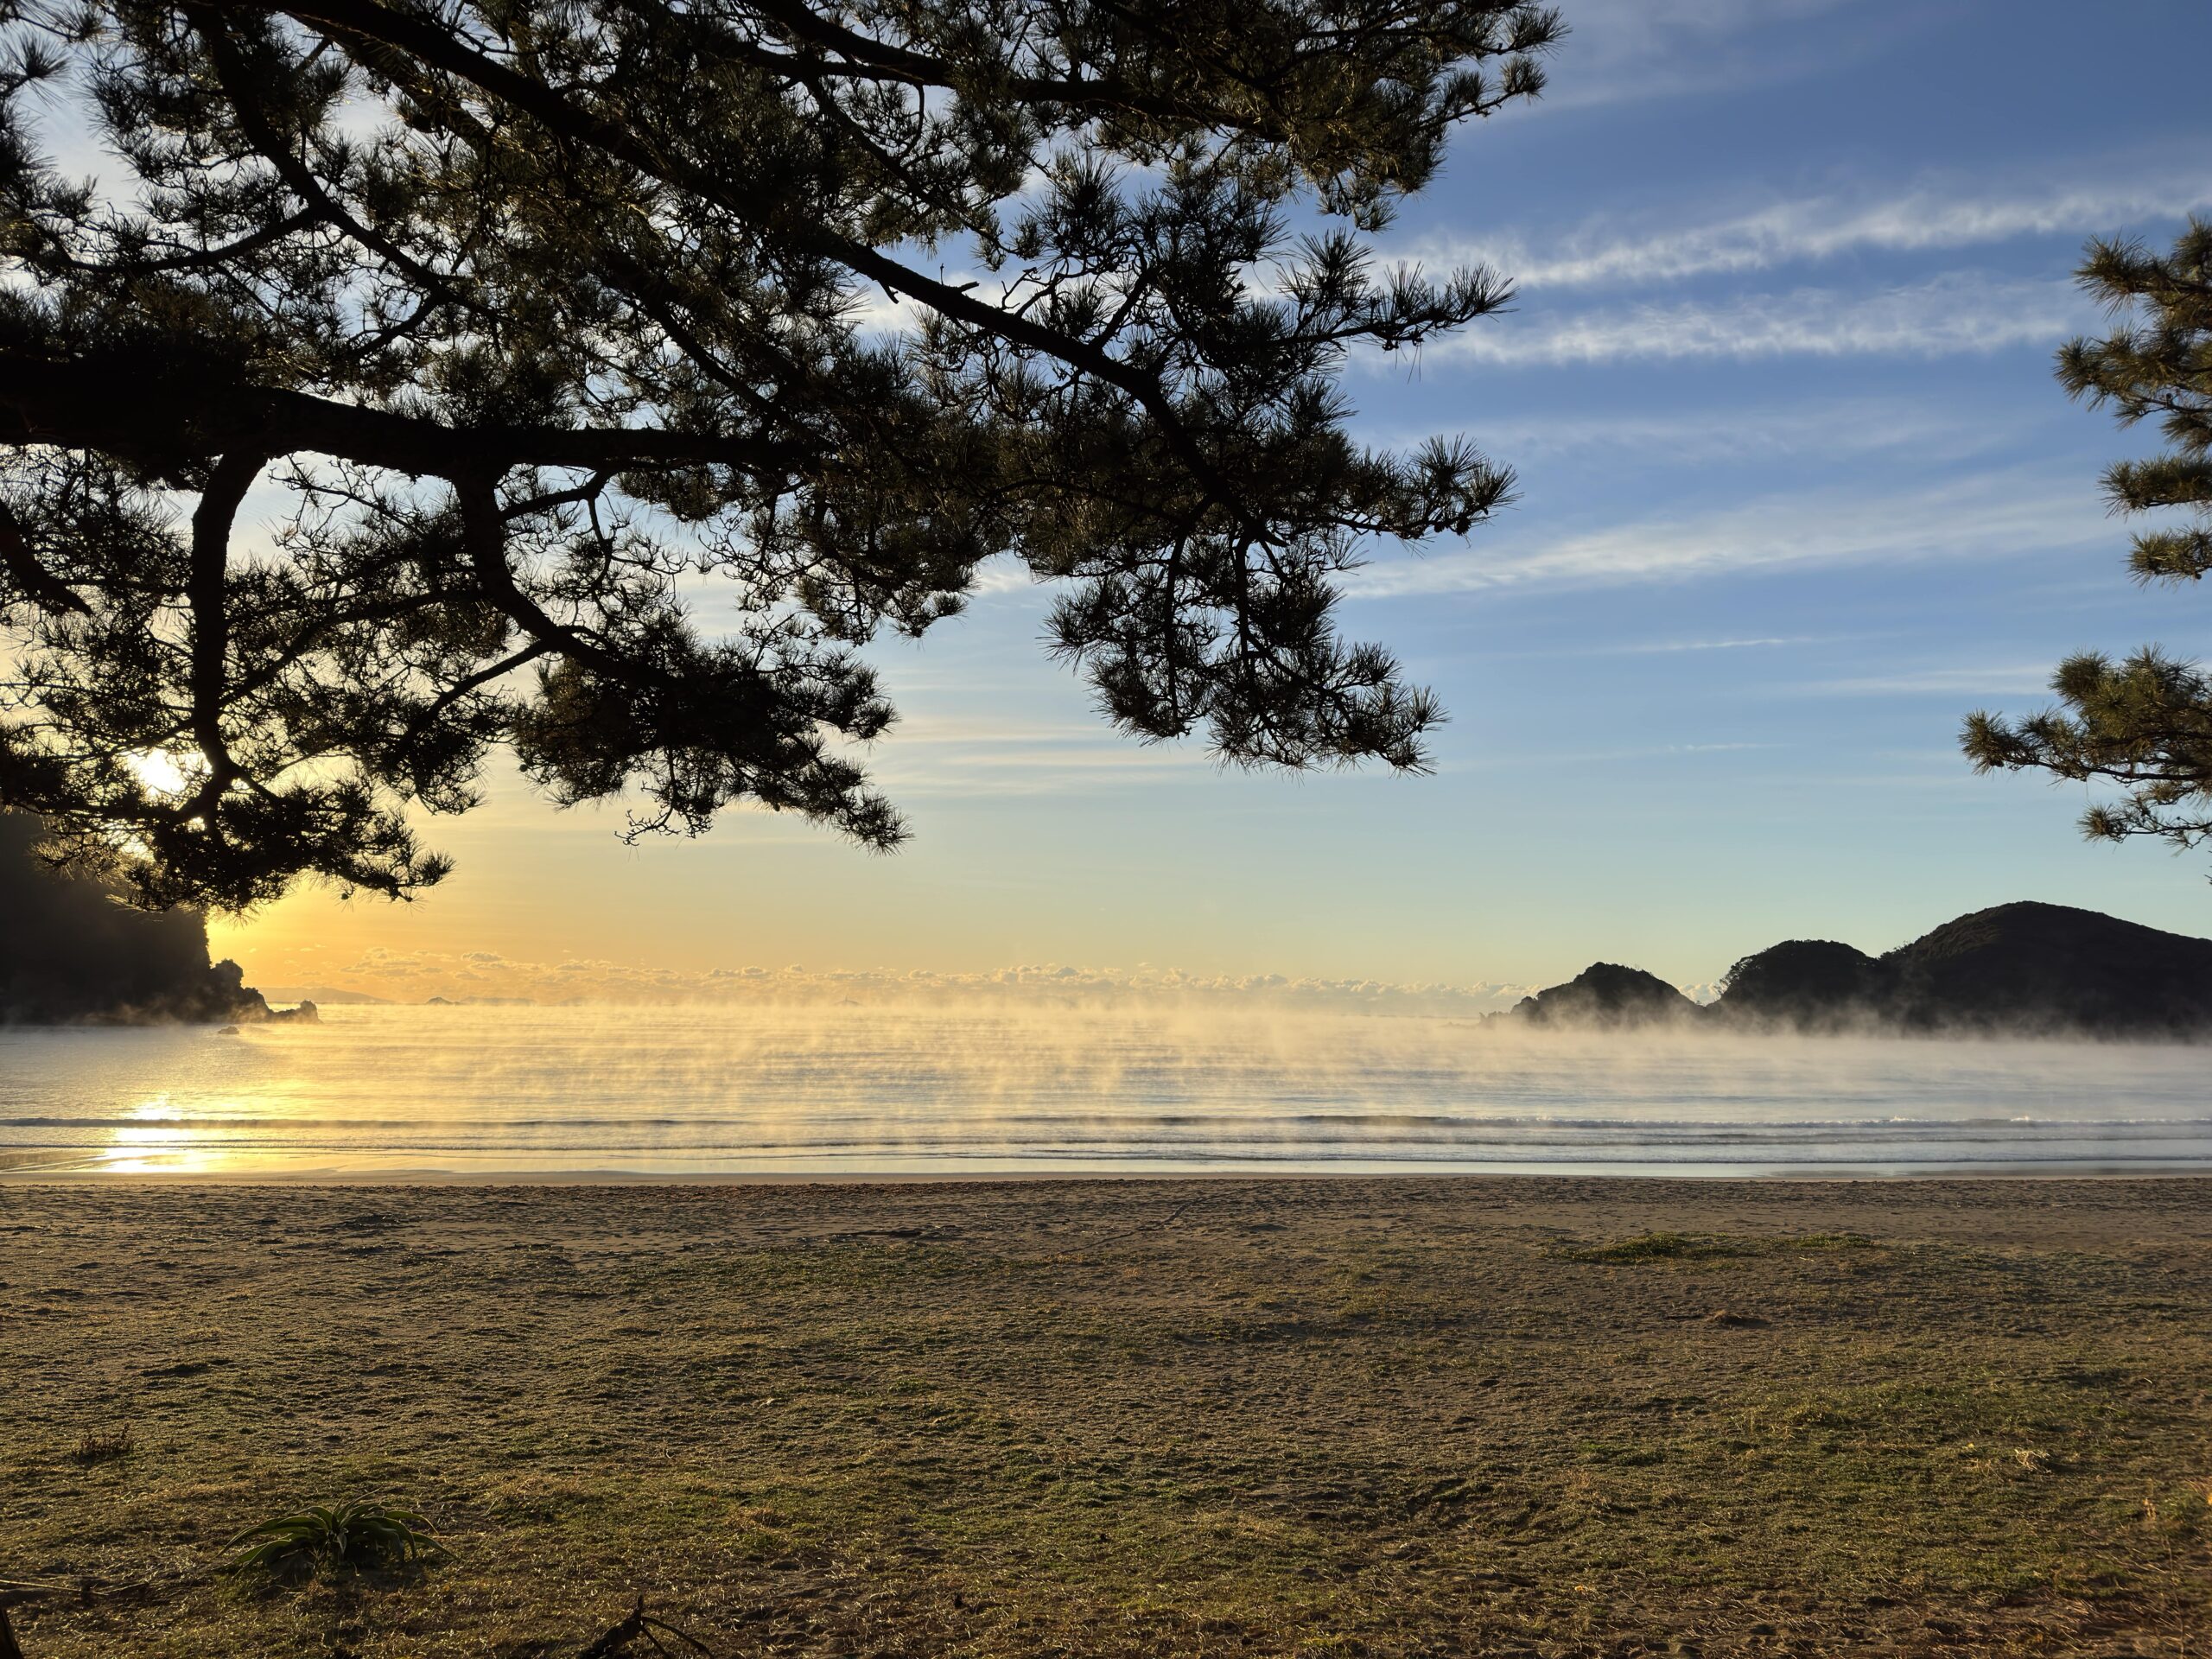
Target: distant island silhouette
(2019,968)
(72,953)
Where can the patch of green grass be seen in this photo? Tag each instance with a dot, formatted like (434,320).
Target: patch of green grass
(1821,1241)
(1705,1247)
(1655,1247)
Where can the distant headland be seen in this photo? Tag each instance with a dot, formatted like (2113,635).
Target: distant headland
(2020,969)
(71,953)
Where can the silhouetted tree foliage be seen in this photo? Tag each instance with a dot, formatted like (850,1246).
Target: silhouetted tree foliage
(2144,723)
(544,331)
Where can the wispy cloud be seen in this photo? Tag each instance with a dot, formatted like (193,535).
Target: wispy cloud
(1624,51)
(1519,761)
(2007,513)
(1668,647)
(1920,219)
(1926,429)
(1004,575)
(2005,680)
(1952,316)
(973,756)
(1673,647)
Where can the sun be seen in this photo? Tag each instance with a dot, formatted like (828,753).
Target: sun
(161,773)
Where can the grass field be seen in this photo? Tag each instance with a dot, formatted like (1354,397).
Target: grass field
(1539,1417)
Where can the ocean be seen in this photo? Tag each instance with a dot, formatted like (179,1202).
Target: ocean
(953,1088)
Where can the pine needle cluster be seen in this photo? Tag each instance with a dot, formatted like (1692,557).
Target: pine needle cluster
(2143,723)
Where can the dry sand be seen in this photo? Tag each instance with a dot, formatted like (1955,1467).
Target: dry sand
(1421,1416)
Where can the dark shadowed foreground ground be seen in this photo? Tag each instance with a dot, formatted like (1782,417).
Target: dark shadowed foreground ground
(1340,1417)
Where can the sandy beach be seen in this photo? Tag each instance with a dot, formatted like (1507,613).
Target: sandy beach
(1421,1416)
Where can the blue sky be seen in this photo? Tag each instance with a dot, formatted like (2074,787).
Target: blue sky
(1798,492)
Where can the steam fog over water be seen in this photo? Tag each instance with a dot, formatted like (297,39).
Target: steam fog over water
(941,1089)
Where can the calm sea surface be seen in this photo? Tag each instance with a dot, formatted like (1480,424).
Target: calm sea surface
(952,1090)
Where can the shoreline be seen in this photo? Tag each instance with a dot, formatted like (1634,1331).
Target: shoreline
(464,1181)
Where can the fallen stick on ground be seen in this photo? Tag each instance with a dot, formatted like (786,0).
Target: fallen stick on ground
(87,1591)
(16,1590)
(617,1637)
(83,1592)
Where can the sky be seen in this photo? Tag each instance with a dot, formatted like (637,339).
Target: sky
(1798,492)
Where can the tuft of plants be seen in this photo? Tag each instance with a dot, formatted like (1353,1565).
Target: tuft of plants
(95,1447)
(1706,1246)
(1821,1241)
(1655,1247)
(1733,1321)
(327,1537)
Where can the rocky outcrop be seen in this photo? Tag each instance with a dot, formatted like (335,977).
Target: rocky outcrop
(71,953)
(1607,996)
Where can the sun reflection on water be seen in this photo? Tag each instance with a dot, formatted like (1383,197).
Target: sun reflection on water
(160,1138)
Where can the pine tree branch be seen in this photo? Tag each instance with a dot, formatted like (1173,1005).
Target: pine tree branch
(238,82)
(204,595)
(566,119)
(172,416)
(42,585)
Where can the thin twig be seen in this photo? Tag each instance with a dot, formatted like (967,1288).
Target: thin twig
(87,1591)
(617,1637)
(684,1636)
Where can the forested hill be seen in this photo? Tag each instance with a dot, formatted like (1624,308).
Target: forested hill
(2025,968)
(71,954)
(2017,967)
